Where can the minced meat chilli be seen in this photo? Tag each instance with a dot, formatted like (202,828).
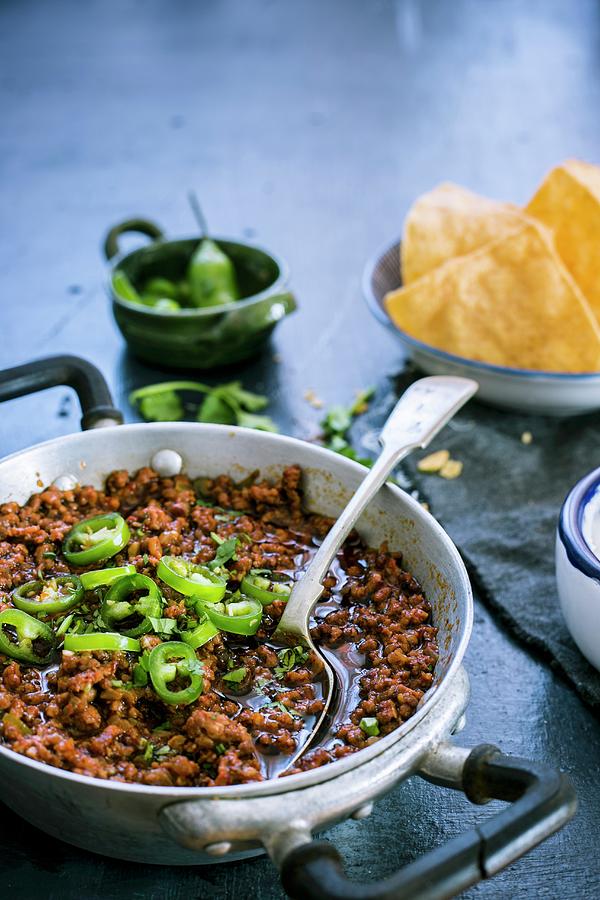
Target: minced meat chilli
(229,705)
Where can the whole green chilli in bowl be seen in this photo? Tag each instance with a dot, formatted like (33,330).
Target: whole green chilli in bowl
(196,303)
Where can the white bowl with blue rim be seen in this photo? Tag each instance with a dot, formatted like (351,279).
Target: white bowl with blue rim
(524,390)
(578,564)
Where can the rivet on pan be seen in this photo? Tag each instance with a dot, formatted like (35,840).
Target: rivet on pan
(65,482)
(167,463)
(363,811)
(220,848)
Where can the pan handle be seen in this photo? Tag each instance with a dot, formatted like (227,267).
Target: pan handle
(72,371)
(542,800)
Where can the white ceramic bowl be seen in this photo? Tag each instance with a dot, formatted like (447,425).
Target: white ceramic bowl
(578,569)
(525,390)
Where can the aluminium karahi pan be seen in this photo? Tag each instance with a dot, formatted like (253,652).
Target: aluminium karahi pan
(195,826)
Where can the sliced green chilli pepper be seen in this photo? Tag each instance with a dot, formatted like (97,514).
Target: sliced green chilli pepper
(172,661)
(238,615)
(101,640)
(191,579)
(211,276)
(95,539)
(369,726)
(201,634)
(100,577)
(55,595)
(129,603)
(24,638)
(266,590)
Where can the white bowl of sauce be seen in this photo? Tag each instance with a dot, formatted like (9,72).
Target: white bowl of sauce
(578,564)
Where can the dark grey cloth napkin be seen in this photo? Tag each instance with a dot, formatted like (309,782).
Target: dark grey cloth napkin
(502,514)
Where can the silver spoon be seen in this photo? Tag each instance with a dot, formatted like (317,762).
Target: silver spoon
(423,410)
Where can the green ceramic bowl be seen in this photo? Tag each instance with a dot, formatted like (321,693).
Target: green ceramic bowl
(198,338)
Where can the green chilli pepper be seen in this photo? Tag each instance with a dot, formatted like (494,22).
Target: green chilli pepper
(201,634)
(123,287)
(130,602)
(163,304)
(24,638)
(101,640)
(100,577)
(369,726)
(211,276)
(161,287)
(40,598)
(174,661)
(95,539)
(238,614)
(190,579)
(266,589)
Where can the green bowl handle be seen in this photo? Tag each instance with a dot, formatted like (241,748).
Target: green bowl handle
(287,301)
(142,226)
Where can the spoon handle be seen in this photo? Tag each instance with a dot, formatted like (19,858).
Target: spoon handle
(419,414)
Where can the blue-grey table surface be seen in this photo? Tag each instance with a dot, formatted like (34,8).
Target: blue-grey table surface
(309,127)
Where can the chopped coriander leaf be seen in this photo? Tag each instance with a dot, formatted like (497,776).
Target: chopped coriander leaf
(351,453)
(288,658)
(148,752)
(361,404)
(165,407)
(139,675)
(278,704)
(225,551)
(215,409)
(64,625)
(337,421)
(225,404)
(235,393)
(236,675)
(165,726)
(259,423)
(195,668)
(163,626)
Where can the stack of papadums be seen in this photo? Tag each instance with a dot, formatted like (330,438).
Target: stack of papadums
(513,287)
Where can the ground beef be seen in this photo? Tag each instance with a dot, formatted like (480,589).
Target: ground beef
(83,713)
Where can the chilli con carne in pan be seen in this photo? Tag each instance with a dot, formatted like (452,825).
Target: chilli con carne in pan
(135,624)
